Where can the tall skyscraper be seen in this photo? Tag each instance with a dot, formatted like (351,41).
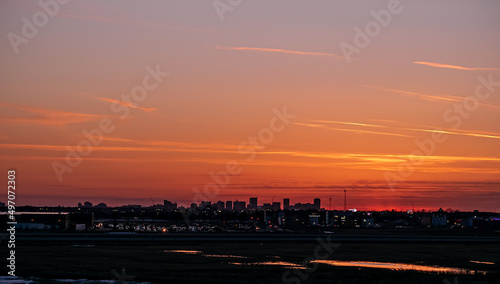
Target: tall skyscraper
(239,206)
(229,205)
(317,203)
(286,203)
(252,203)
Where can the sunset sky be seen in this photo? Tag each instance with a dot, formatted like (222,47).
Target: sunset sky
(356,122)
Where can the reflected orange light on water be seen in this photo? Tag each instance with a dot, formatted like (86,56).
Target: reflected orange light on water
(224,256)
(481,262)
(284,264)
(400,266)
(184,251)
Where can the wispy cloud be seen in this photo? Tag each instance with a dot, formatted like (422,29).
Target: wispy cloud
(441,65)
(460,132)
(32,115)
(350,130)
(423,187)
(52,158)
(430,97)
(130,105)
(344,157)
(350,123)
(420,95)
(174,144)
(337,57)
(270,157)
(308,124)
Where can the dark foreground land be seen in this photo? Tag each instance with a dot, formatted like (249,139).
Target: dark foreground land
(152,264)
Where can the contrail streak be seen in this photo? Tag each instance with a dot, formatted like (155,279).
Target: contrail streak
(338,57)
(440,65)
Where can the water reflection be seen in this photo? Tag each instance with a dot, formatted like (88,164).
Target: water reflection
(224,256)
(364,264)
(284,264)
(481,262)
(202,254)
(183,251)
(400,266)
